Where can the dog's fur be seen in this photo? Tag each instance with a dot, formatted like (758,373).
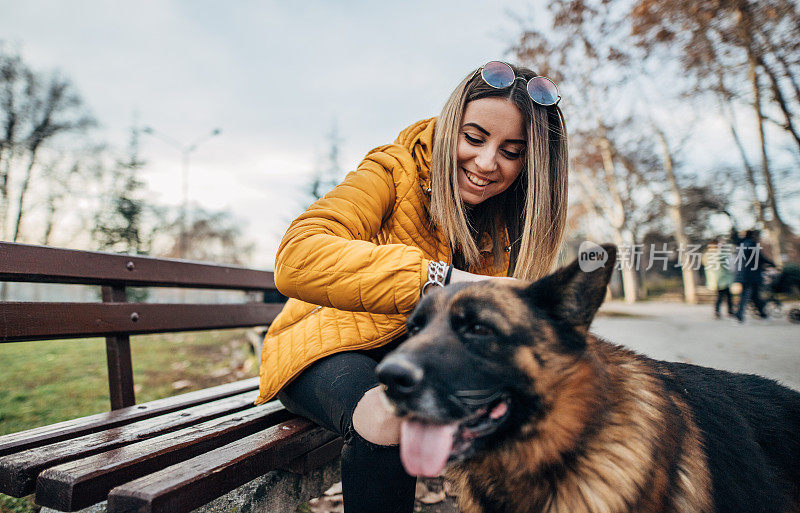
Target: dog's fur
(585,425)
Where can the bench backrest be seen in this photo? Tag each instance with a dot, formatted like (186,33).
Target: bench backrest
(115,318)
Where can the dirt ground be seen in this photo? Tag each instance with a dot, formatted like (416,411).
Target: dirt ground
(432,497)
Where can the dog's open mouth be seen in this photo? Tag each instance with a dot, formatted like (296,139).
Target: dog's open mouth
(426,447)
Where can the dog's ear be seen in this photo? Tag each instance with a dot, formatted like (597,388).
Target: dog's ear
(573,293)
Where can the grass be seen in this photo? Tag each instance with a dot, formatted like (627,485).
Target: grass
(45,382)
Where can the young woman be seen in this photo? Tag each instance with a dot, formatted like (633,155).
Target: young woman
(719,276)
(478,193)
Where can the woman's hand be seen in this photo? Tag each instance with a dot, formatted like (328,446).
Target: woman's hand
(459,276)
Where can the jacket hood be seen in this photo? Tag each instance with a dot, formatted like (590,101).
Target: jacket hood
(418,140)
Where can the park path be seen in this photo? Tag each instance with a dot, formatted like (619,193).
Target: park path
(690,333)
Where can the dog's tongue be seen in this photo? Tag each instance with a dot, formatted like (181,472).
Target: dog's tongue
(424,447)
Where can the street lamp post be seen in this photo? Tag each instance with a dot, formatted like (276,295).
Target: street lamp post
(186,150)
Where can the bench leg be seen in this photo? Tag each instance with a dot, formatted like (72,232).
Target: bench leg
(118,356)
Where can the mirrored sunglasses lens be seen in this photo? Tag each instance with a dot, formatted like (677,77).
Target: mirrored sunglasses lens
(498,74)
(543,91)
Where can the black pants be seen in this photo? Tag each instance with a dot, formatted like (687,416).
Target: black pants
(724,294)
(373,478)
(750,293)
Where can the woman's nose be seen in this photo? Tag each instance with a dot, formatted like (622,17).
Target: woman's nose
(486,160)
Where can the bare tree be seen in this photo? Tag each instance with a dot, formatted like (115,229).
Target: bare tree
(595,133)
(673,200)
(745,50)
(210,236)
(606,186)
(56,111)
(15,80)
(36,109)
(603,45)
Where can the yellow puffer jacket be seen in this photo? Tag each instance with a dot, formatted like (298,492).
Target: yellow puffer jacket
(354,263)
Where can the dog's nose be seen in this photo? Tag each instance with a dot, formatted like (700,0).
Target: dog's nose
(401,376)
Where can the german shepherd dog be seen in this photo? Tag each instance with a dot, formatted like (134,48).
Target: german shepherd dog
(503,383)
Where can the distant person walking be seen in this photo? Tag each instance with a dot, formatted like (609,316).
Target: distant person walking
(719,276)
(749,263)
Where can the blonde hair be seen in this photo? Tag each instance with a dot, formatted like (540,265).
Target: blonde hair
(539,193)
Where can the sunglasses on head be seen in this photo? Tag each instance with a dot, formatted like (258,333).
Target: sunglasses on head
(499,75)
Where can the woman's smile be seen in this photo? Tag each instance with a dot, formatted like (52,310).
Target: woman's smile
(476,180)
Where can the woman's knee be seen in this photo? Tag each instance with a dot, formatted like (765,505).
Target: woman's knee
(373,420)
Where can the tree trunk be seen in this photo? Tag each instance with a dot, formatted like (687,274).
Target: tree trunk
(749,173)
(4,175)
(674,203)
(628,264)
(49,220)
(622,238)
(777,228)
(22,192)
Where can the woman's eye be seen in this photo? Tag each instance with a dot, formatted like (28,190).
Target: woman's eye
(511,155)
(472,140)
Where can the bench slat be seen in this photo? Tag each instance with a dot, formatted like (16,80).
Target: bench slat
(23,262)
(41,321)
(81,483)
(18,471)
(314,458)
(190,484)
(44,435)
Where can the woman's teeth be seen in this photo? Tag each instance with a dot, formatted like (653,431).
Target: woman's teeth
(477,181)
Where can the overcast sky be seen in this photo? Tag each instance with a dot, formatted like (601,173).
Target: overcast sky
(274,76)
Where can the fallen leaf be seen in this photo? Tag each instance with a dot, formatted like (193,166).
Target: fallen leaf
(432,497)
(180,384)
(218,373)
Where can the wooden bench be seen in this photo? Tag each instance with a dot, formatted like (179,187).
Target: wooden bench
(171,455)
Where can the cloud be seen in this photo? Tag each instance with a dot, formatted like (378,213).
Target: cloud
(273,75)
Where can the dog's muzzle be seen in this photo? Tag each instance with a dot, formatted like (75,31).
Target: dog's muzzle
(428,437)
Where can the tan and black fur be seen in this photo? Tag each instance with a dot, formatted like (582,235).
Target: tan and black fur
(590,426)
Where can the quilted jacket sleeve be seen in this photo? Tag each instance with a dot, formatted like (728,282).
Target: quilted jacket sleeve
(326,257)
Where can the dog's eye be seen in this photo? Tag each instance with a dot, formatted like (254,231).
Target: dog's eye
(477,329)
(413,329)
